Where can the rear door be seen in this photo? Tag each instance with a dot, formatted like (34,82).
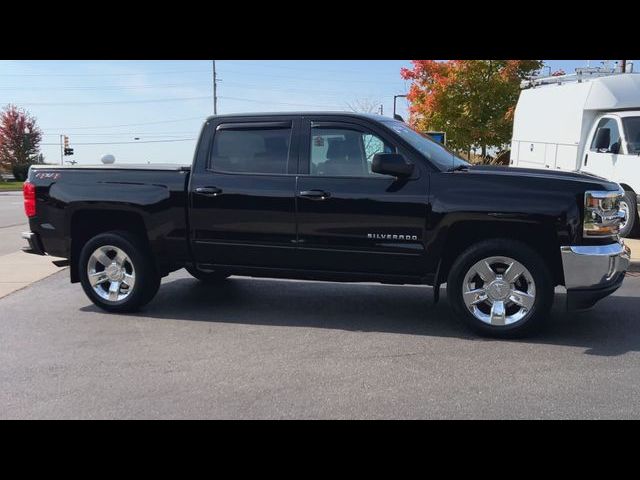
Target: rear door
(349,218)
(242,192)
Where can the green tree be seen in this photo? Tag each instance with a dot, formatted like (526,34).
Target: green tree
(472,100)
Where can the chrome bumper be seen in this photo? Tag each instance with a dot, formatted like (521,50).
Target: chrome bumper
(593,272)
(594,266)
(35,245)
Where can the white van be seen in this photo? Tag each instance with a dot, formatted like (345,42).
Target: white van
(586,123)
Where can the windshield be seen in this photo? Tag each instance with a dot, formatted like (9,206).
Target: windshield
(632,132)
(442,157)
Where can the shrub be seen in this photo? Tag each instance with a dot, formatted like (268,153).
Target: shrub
(20,172)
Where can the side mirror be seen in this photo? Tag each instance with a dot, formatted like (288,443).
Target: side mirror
(615,148)
(392,164)
(603,139)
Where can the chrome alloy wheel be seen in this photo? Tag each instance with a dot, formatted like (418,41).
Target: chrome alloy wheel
(499,291)
(111,273)
(624,208)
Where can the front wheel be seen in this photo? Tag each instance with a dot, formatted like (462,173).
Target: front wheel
(629,206)
(116,273)
(501,288)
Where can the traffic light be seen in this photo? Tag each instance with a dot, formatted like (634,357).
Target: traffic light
(67,150)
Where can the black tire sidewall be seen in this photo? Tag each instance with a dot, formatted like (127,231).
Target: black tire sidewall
(632,222)
(146,278)
(207,277)
(523,254)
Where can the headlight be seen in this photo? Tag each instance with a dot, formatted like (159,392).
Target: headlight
(602,213)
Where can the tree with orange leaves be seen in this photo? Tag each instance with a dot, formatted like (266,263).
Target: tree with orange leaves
(473,101)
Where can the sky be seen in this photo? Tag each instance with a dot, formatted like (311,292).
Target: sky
(104,106)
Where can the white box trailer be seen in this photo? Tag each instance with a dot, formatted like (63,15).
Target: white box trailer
(586,124)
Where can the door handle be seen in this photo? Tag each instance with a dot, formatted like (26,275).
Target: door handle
(314,194)
(586,157)
(208,191)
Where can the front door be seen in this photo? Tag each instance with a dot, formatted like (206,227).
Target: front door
(242,195)
(600,160)
(627,166)
(349,218)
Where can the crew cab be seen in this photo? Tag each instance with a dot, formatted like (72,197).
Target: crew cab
(334,197)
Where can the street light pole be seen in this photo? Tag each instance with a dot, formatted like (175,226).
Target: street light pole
(395,97)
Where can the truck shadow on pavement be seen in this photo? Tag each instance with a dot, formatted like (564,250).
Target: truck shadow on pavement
(609,329)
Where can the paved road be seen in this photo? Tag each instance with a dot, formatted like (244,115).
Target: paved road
(12,222)
(255,348)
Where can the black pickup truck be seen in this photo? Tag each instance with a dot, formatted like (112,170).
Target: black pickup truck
(334,197)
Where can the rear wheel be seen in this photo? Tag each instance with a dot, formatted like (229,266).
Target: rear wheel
(116,273)
(629,206)
(207,277)
(501,288)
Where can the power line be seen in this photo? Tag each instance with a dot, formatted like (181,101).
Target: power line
(269,65)
(98,74)
(127,134)
(249,86)
(294,89)
(251,100)
(118,102)
(202,118)
(124,143)
(315,79)
(104,87)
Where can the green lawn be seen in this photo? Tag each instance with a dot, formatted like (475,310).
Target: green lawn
(8,186)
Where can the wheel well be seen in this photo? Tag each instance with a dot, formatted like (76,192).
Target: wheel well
(86,224)
(539,237)
(627,188)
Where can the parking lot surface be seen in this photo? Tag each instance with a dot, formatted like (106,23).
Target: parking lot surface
(254,348)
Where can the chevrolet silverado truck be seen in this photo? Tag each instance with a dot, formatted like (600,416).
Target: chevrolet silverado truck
(334,197)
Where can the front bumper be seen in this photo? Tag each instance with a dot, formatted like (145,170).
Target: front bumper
(591,272)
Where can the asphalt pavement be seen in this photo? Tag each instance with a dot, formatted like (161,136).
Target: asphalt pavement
(257,348)
(12,222)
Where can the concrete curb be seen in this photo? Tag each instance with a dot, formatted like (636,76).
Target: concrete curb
(19,270)
(634,245)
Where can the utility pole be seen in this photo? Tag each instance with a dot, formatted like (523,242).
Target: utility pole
(215,88)
(381,110)
(61,151)
(623,64)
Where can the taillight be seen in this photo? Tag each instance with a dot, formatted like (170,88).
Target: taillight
(29,193)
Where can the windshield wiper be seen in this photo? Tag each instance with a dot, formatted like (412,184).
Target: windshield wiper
(458,168)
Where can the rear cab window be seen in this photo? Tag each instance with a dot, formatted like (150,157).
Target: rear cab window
(251,148)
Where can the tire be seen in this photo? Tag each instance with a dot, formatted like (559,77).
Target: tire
(136,263)
(533,288)
(630,205)
(207,277)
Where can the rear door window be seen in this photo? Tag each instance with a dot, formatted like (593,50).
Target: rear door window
(251,150)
